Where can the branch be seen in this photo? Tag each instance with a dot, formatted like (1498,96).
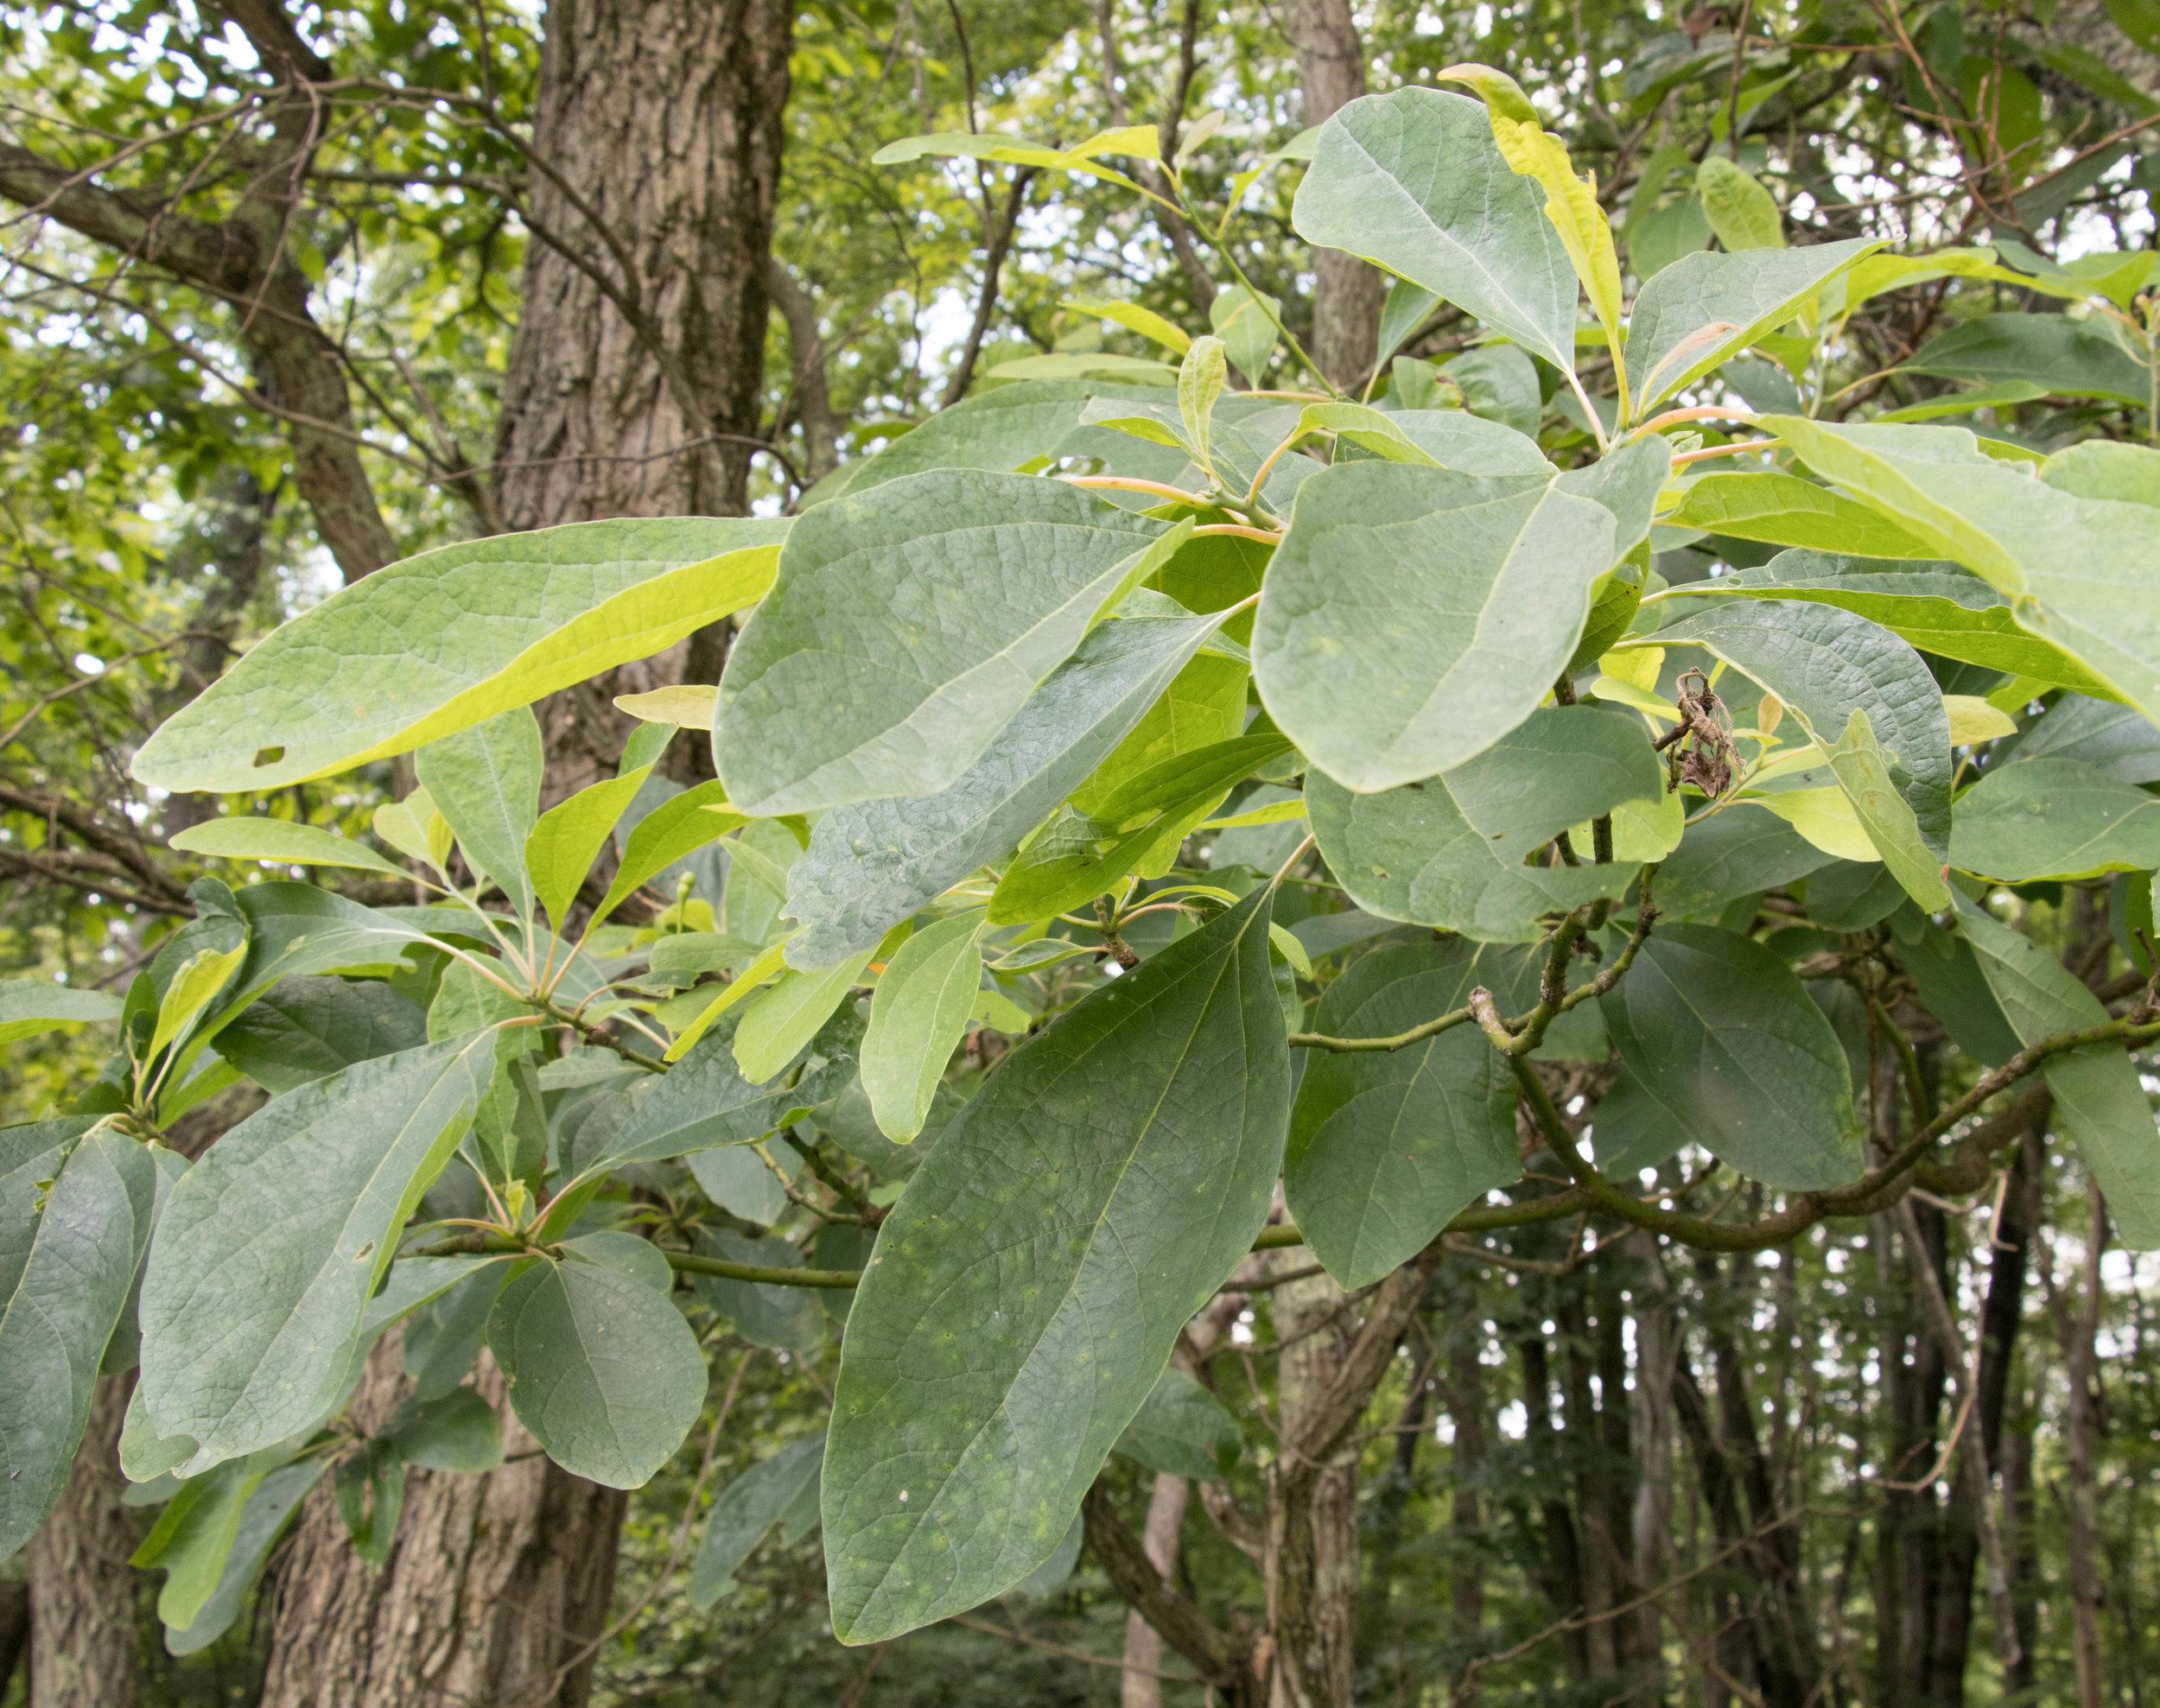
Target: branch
(1223,1660)
(217,257)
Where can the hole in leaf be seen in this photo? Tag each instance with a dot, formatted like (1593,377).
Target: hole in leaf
(267,756)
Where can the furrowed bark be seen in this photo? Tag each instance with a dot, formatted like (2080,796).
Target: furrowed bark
(83,1631)
(1346,293)
(634,379)
(495,1588)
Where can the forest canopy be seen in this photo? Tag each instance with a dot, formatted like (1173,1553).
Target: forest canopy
(1265,856)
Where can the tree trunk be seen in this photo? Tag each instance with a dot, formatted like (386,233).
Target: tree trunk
(83,1632)
(1311,1563)
(1346,293)
(1466,1411)
(1562,1578)
(1137,1686)
(633,388)
(1655,1435)
(2080,1439)
(492,1596)
(1999,1322)
(634,379)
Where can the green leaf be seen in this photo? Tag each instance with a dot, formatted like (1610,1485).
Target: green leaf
(999,429)
(602,1367)
(1571,203)
(2070,358)
(1826,664)
(2100,1102)
(1246,324)
(1386,1147)
(1741,211)
(787,1319)
(1664,235)
(678,825)
(918,1014)
(369,1487)
(485,781)
(1851,896)
(453,635)
(1705,309)
(1412,616)
(270,1247)
(1935,606)
(1413,182)
(1145,321)
(905,630)
(1728,1044)
(784,1018)
(29,1006)
(1402,314)
(2054,818)
(193,1538)
(2076,570)
(745,1513)
(873,863)
(735,1178)
(1205,703)
(1145,798)
(193,989)
(265,1514)
(1182,1430)
(1201,378)
(56,1317)
(1449,852)
(1122,1161)
(2101,468)
(249,837)
(744,983)
(703,1100)
(445,1333)
(1880,792)
(452,1432)
(304,1028)
(1499,383)
(2114,739)
(563,845)
(1740,852)
(1079,365)
(1074,858)
(684,705)
(415,828)
(1782,509)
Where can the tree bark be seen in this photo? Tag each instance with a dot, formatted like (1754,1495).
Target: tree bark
(1466,1411)
(809,396)
(1346,293)
(2081,1438)
(2000,1321)
(83,1632)
(634,377)
(1138,1686)
(1311,1562)
(492,1596)
(632,390)
(633,382)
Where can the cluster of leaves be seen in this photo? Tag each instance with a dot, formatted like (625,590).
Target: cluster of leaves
(977,745)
